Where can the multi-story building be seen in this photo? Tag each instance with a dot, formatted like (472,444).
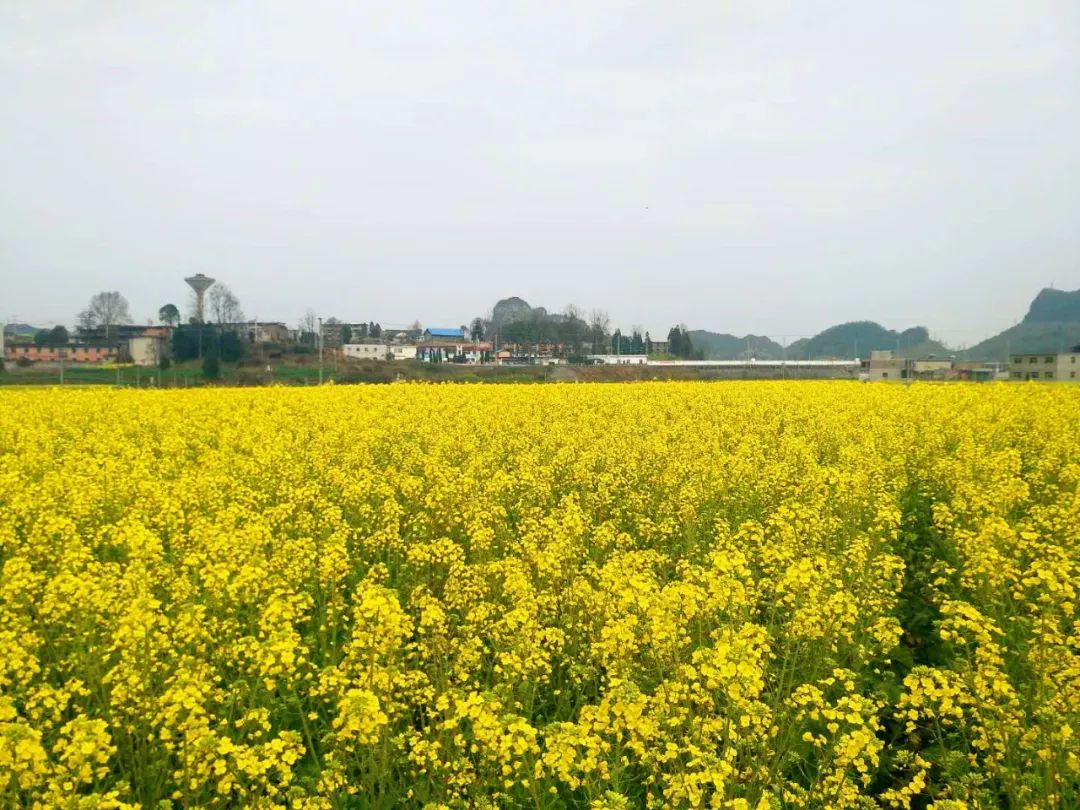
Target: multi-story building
(72,353)
(454,351)
(1046,366)
(885,365)
(1069,365)
(540,353)
(147,350)
(365,351)
(334,334)
(259,331)
(119,334)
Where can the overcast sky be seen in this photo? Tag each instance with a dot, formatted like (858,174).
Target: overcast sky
(740,166)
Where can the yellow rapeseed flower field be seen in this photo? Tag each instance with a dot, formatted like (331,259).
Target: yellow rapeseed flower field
(739,595)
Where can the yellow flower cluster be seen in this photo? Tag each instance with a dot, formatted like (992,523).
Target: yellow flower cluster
(662,595)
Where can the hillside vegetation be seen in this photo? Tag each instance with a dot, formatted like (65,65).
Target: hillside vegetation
(844,341)
(1052,324)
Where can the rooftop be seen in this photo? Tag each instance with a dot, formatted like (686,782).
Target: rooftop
(436,331)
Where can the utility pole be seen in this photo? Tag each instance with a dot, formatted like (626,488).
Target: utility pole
(320,350)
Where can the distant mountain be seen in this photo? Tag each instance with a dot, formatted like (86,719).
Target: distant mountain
(844,341)
(19,329)
(720,346)
(1054,306)
(1027,338)
(859,338)
(509,310)
(1052,324)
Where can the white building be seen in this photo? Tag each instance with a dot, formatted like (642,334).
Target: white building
(451,351)
(147,350)
(365,351)
(618,359)
(884,364)
(403,352)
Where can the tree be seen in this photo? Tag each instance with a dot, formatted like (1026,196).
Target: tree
(169,315)
(57,336)
(86,320)
(185,341)
(477,329)
(572,329)
(539,325)
(211,366)
(106,309)
(375,330)
(687,344)
(231,348)
(599,321)
(224,306)
(679,343)
(309,325)
(617,342)
(674,337)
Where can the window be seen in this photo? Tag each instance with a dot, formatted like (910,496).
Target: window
(1072,374)
(1049,359)
(884,375)
(1033,359)
(1049,375)
(1017,375)
(1072,358)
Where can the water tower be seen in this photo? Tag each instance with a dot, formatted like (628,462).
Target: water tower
(200,284)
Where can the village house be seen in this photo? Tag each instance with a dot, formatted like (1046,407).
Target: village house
(365,351)
(441,333)
(884,364)
(618,359)
(1046,366)
(72,353)
(454,351)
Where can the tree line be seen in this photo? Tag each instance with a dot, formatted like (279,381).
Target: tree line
(218,338)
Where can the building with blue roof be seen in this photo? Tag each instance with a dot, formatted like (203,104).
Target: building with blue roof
(450,334)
